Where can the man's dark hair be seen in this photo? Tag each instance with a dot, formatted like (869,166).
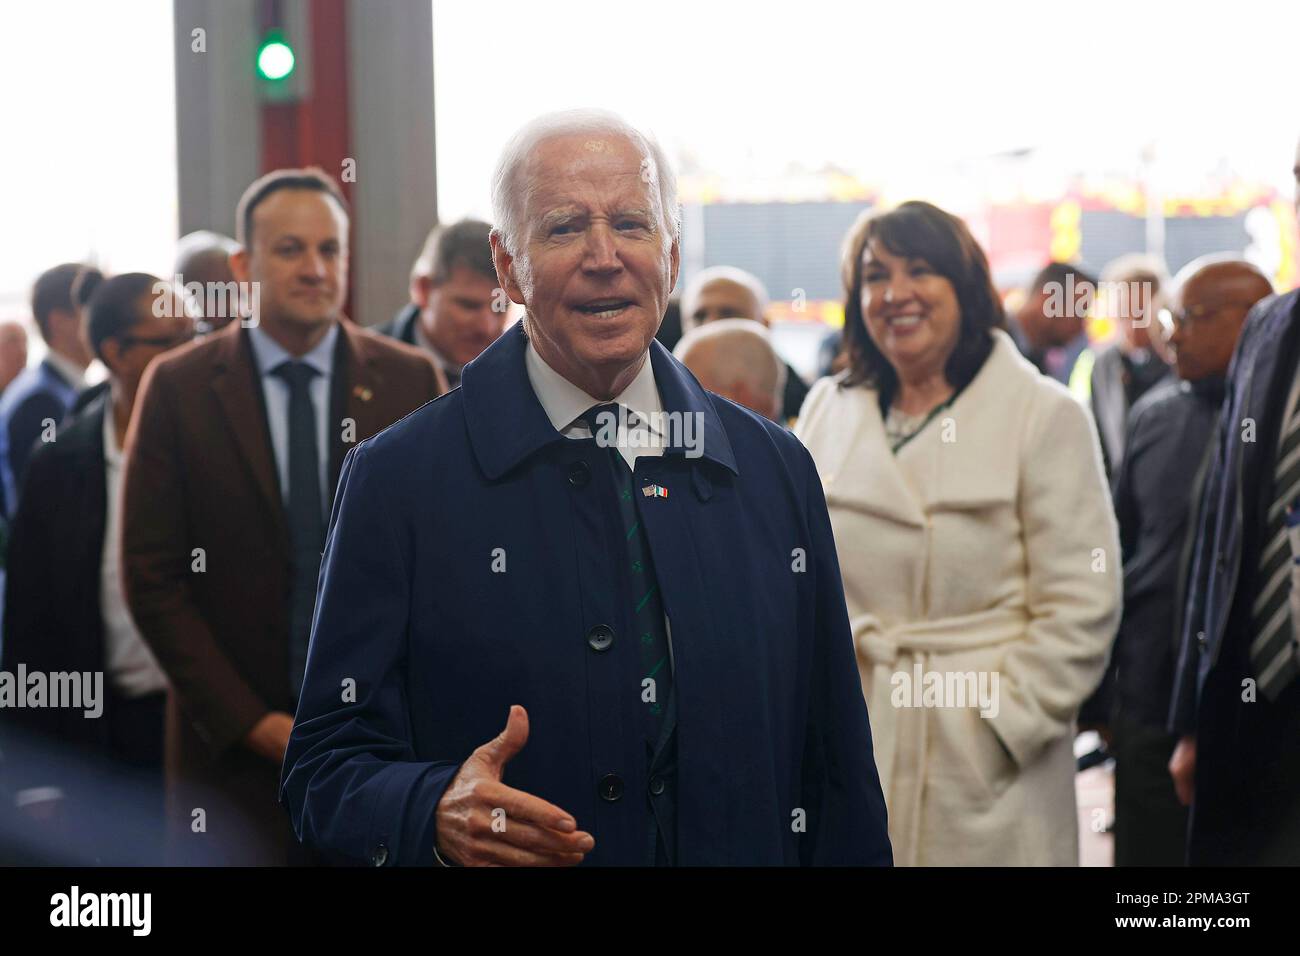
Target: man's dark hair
(462,243)
(53,290)
(920,230)
(313,179)
(1057,273)
(112,309)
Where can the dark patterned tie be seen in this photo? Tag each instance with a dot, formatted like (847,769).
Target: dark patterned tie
(647,608)
(1273,645)
(306,516)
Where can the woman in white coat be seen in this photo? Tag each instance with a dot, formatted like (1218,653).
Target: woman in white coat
(977,544)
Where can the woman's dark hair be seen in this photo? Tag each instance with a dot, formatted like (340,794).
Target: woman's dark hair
(113,309)
(919,230)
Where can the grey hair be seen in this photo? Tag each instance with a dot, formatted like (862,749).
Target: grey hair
(202,244)
(506,193)
(713,274)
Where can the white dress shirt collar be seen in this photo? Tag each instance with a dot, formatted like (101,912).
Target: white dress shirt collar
(564,402)
(269,354)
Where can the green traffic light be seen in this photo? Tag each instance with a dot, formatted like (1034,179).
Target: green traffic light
(275,59)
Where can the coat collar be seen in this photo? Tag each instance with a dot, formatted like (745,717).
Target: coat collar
(508,424)
(862,471)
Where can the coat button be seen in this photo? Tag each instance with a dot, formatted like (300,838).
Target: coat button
(611,787)
(600,637)
(1202,640)
(579,474)
(379,855)
(656,786)
(1220,562)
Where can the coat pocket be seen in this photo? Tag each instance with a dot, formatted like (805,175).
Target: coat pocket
(965,746)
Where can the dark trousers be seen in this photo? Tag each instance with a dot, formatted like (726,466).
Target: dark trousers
(1247,806)
(1150,823)
(135,743)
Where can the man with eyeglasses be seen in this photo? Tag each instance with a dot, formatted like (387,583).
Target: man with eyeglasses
(65,609)
(1156,490)
(1236,702)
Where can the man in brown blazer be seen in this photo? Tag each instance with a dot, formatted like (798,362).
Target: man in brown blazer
(232,459)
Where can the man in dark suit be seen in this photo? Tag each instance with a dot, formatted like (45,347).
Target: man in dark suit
(1157,497)
(1236,704)
(65,606)
(456,309)
(636,577)
(36,401)
(232,459)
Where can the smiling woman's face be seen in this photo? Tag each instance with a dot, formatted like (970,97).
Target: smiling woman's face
(911,311)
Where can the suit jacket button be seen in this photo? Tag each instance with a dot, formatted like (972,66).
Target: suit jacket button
(611,787)
(379,855)
(579,474)
(1201,639)
(600,637)
(656,786)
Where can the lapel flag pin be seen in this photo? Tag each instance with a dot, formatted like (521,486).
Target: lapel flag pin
(655,491)
(363,393)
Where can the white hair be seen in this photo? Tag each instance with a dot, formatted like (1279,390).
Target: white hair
(200,245)
(506,191)
(744,353)
(706,277)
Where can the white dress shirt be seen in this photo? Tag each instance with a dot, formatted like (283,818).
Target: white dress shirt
(132,669)
(269,355)
(565,402)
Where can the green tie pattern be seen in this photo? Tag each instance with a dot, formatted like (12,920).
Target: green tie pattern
(647,609)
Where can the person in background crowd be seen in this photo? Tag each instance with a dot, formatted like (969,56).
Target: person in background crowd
(13,352)
(1157,494)
(976,540)
(649,586)
(456,310)
(65,609)
(1051,326)
(724,292)
(35,402)
(1126,369)
(734,358)
(1236,705)
(204,257)
(231,463)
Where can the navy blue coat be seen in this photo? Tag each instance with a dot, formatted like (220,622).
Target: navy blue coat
(775,762)
(1241,805)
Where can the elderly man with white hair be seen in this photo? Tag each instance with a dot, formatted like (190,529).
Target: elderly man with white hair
(579,609)
(735,359)
(725,292)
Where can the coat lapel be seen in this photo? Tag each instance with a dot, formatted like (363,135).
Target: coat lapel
(358,385)
(239,393)
(865,475)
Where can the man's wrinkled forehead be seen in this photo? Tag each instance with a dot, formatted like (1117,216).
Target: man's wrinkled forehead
(570,167)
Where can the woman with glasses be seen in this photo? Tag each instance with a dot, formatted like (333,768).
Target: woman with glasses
(64,606)
(977,546)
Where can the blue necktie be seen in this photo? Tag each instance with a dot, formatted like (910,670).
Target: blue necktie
(306,515)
